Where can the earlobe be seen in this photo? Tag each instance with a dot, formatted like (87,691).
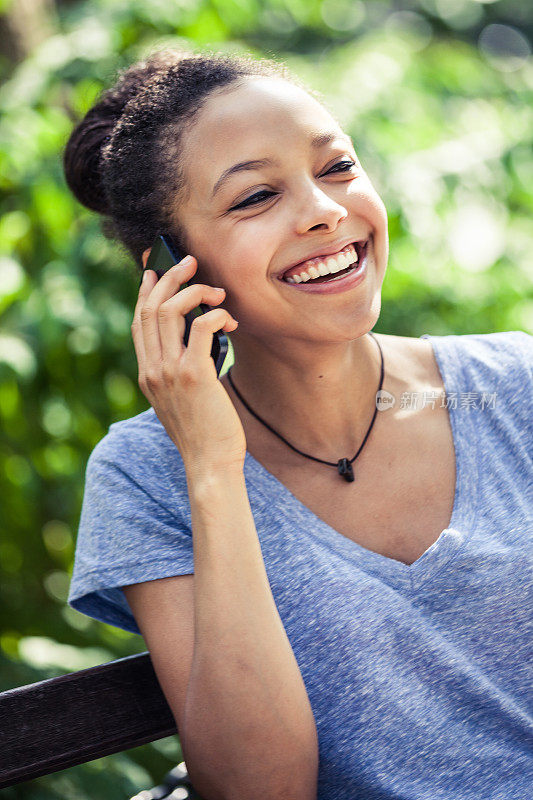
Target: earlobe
(145,256)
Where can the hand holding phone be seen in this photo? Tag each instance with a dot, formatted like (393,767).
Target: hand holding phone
(164,253)
(180,380)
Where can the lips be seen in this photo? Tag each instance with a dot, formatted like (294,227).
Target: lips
(339,282)
(332,250)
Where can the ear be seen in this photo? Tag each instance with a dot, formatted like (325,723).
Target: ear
(145,256)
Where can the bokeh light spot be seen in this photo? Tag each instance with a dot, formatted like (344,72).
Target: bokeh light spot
(56,584)
(83,339)
(57,536)
(57,417)
(17,470)
(18,355)
(340,15)
(476,237)
(505,47)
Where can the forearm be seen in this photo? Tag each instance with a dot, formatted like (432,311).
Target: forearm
(248,722)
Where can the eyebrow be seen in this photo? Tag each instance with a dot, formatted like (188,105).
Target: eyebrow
(317,141)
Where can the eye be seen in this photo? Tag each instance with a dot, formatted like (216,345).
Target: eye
(341,166)
(253,199)
(261,197)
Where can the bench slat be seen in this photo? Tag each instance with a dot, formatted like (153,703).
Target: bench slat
(75,718)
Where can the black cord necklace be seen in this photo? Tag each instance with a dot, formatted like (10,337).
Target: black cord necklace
(344,465)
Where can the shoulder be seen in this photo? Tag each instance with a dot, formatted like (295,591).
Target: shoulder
(502,357)
(137,453)
(135,524)
(491,371)
(136,438)
(479,370)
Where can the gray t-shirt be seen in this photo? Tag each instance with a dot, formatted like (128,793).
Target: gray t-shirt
(419,676)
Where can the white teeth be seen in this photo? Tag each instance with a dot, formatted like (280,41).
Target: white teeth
(342,261)
(329,266)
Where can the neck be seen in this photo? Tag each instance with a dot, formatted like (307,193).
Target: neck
(320,399)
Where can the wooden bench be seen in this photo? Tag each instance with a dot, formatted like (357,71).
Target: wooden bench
(74,718)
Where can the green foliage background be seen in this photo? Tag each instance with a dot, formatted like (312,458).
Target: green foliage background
(441,122)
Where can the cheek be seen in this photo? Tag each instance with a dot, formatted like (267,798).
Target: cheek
(379,212)
(246,253)
(230,265)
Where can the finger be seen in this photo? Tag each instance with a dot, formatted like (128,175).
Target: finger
(201,336)
(149,301)
(152,293)
(172,318)
(145,256)
(171,280)
(149,281)
(191,296)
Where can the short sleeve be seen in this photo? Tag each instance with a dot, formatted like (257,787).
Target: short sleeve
(501,363)
(135,525)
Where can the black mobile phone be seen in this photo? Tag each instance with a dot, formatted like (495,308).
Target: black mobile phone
(164,255)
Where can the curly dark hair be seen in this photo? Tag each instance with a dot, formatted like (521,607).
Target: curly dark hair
(122,160)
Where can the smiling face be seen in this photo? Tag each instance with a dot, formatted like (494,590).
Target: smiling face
(301,194)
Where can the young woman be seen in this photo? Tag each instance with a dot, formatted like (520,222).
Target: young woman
(335,600)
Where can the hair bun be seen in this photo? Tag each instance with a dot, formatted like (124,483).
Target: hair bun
(83,151)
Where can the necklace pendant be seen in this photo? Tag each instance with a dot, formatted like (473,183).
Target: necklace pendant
(345,469)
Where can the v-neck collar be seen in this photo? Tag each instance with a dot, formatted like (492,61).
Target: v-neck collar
(392,571)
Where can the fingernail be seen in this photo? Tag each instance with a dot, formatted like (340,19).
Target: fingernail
(218,289)
(145,273)
(186,261)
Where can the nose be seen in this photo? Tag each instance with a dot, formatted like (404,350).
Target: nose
(318,211)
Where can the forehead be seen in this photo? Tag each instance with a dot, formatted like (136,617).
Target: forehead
(260,117)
